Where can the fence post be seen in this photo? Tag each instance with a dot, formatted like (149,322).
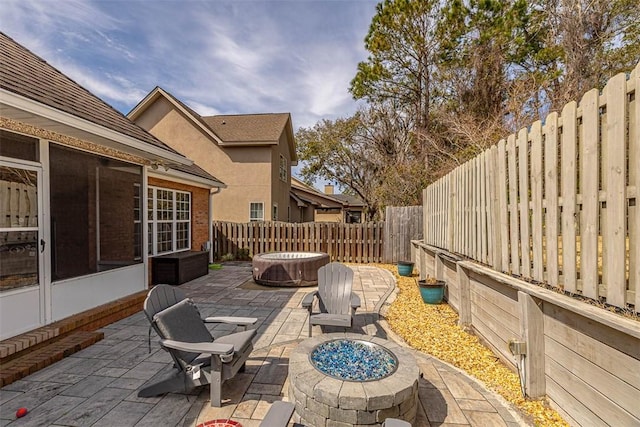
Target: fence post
(464,310)
(438,268)
(532,332)
(422,267)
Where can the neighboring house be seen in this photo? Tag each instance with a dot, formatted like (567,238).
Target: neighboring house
(251,153)
(352,206)
(311,205)
(85,196)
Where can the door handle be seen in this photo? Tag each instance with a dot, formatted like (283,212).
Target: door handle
(42,245)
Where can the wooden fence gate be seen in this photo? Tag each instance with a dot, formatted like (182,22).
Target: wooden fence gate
(402,224)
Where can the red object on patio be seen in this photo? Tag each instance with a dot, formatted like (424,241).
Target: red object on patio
(220,423)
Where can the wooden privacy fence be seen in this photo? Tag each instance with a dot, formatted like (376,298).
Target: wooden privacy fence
(343,242)
(401,225)
(557,202)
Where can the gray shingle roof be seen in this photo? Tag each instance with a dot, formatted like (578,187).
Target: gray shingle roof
(196,170)
(248,127)
(26,74)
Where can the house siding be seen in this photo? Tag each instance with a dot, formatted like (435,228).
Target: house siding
(248,172)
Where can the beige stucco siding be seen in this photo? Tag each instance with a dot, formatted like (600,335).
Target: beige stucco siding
(328,217)
(251,172)
(247,173)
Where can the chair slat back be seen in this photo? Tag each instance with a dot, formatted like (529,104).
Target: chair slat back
(161,297)
(335,281)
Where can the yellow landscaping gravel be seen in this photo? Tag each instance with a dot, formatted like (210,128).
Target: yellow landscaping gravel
(433,329)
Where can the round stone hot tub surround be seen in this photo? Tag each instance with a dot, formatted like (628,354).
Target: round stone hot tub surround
(320,397)
(288,268)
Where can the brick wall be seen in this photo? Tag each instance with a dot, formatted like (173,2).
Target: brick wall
(199,209)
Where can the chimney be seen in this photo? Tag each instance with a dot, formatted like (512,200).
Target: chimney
(328,189)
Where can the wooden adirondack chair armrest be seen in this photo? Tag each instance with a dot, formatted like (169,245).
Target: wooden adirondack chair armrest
(307,301)
(355,301)
(239,321)
(199,347)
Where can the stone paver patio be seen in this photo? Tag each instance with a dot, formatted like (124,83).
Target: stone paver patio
(98,386)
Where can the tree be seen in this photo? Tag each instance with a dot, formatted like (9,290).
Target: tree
(402,46)
(370,155)
(333,151)
(595,39)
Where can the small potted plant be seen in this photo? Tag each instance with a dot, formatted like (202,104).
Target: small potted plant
(405,268)
(431,290)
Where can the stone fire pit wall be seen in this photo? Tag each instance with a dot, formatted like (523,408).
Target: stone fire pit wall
(323,401)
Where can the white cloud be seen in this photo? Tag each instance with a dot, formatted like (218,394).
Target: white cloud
(218,57)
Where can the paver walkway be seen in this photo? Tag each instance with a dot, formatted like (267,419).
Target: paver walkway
(98,386)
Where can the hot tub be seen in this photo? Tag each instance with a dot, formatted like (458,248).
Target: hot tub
(288,268)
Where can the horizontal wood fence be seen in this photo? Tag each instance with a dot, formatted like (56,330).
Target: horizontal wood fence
(343,242)
(555,203)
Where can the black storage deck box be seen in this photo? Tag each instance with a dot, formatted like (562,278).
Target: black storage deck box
(178,268)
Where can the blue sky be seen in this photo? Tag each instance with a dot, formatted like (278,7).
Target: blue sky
(217,56)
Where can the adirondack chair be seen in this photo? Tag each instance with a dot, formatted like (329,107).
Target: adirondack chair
(336,301)
(199,360)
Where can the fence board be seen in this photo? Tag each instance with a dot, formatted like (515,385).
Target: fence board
(615,168)
(523,181)
(588,181)
(503,207)
(634,180)
(513,205)
(484,235)
(536,200)
(551,197)
(493,219)
(568,161)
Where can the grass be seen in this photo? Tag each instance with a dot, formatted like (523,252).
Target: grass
(433,329)
(215,266)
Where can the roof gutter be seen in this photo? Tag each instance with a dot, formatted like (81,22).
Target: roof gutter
(184,177)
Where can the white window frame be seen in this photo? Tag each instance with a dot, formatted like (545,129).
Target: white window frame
(137,218)
(251,210)
(274,212)
(154,221)
(283,168)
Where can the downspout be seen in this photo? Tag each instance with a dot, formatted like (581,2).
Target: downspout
(212,192)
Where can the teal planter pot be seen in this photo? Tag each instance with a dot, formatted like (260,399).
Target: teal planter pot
(432,293)
(405,268)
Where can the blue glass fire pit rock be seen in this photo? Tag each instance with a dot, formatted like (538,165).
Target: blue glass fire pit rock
(353,360)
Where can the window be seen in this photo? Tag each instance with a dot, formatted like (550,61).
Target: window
(256,211)
(275,212)
(94,211)
(283,168)
(18,146)
(169,215)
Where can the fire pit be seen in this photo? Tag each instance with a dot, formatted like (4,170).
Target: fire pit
(288,268)
(352,379)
